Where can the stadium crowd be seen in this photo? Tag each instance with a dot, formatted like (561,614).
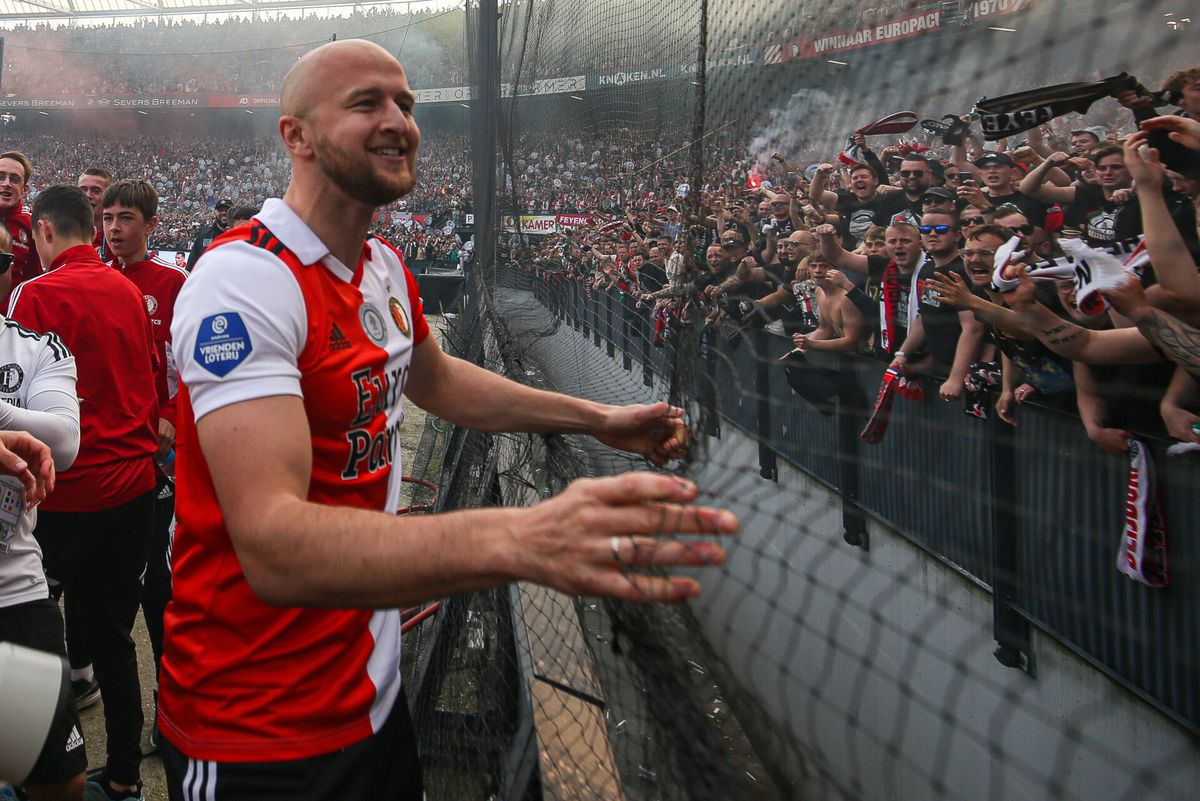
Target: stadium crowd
(941,255)
(915,250)
(233,55)
(177,56)
(191,174)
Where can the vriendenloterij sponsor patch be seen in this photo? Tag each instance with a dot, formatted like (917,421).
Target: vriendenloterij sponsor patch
(222,344)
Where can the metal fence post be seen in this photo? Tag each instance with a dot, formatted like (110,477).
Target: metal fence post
(851,415)
(768,466)
(628,309)
(609,344)
(1010,628)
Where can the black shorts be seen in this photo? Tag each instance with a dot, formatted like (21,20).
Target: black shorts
(39,625)
(384,767)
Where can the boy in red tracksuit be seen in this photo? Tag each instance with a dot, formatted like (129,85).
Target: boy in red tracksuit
(95,530)
(129,215)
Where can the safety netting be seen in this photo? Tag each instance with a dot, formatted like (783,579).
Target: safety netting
(967,564)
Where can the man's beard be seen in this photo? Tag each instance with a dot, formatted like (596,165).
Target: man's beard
(356,177)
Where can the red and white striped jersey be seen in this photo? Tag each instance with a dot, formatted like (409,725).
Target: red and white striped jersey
(270,311)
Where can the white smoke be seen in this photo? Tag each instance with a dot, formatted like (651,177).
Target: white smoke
(805,123)
(419,54)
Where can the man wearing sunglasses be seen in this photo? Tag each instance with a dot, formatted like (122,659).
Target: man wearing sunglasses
(950,339)
(781,215)
(1033,237)
(890,278)
(787,301)
(939,199)
(907,205)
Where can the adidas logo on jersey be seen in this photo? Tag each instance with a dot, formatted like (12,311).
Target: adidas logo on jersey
(75,740)
(337,340)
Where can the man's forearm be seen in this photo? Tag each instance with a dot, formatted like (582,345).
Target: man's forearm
(475,398)
(1032,182)
(967,350)
(1038,142)
(915,339)
(837,344)
(1000,317)
(1117,346)
(1092,409)
(56,424)
(1178,340)
(369,560)
(819,194)
(1173,264)
(875,164)
(843,259)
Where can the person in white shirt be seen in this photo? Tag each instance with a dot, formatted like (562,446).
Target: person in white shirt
(38,396)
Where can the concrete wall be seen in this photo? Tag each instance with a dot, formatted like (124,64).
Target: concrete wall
(871,673)
(879,664)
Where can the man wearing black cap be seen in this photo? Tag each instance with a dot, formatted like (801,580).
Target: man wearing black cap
(996,169)
(939,199)
(205,238)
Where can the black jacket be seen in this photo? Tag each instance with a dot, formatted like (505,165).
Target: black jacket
(203,240)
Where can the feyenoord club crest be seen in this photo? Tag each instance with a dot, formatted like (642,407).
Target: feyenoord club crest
(372,323)
(11,377)
(151,303)
(399,317)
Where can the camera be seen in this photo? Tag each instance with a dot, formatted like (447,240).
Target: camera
(34,686)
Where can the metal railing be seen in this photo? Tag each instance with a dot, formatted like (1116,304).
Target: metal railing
(1033,514)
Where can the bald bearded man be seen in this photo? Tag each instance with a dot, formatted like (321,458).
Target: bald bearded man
(297,335)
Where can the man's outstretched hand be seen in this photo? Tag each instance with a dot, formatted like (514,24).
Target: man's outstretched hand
(601,535)
(656,431)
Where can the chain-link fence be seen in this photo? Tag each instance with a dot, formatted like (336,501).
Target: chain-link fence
(967,565)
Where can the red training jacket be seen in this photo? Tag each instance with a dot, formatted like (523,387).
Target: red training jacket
(159,284)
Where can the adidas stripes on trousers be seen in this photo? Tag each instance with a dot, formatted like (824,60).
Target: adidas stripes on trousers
(384,767)
(38,625)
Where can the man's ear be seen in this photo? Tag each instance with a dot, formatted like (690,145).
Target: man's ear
(46,230)
(295,136)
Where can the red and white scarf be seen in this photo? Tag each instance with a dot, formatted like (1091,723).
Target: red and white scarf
(1143,553)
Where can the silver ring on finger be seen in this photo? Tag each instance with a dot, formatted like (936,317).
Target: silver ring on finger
(615,545)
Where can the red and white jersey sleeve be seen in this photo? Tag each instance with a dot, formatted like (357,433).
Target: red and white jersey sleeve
(272,313)
(264,300)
